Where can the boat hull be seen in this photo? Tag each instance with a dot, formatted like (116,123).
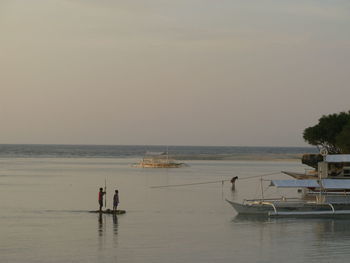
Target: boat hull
(295,209)
(250,209)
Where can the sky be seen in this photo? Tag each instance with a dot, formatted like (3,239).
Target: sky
(164,72)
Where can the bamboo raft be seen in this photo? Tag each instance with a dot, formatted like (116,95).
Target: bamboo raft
(109,211)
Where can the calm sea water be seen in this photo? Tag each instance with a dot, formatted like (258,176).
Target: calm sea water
(45,203)
(119,151)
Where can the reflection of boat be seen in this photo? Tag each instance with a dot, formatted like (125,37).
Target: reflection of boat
(157,160)
(322,196)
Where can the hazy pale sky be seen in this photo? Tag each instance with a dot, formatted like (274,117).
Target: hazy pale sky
(184,72)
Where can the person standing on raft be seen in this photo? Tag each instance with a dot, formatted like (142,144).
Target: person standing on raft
(100,198)
(115,201)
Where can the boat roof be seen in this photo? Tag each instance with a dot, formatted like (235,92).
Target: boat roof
(295,183)
(324,183)
(338,158)
(336,183)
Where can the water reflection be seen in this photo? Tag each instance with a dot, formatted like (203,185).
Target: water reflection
(107,230)
(100,225)
(115,224)
(101,231)
(333,226)
(316,239)
(331,237)
(252,218)
(322,227)
(115,229)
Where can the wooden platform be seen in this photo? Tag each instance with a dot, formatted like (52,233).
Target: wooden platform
(109,211)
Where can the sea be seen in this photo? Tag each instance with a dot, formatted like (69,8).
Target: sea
(172,215)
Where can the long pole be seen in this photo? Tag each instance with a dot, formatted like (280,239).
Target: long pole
(105,193)
(262,189)
(167,155)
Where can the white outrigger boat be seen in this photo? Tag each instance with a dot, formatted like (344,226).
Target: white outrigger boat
(327,195)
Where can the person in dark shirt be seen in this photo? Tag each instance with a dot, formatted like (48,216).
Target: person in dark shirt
(100,198)
(115,201)
(233,182)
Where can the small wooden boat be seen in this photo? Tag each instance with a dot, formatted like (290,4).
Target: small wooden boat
(109,211)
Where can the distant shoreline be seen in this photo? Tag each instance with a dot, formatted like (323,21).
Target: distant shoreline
(185,153)
(248,157)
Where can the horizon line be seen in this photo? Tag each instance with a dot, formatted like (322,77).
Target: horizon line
(156,145)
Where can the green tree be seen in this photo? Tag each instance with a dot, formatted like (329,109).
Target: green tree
(328,133)
(343,139)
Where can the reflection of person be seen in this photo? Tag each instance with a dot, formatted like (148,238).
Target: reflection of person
(115,223)
(233,182)
(100,224)
(100,198)
(115,201)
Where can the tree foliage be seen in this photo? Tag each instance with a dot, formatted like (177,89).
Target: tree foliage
(332,132)
(343,139)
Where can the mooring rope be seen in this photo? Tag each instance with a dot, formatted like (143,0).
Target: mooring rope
(175,185)
(213,182)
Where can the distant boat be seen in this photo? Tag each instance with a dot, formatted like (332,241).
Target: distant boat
(157,160)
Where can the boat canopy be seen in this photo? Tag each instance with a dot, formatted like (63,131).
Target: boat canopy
(295,183)
(336,184)
(324,183)
(338,158)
